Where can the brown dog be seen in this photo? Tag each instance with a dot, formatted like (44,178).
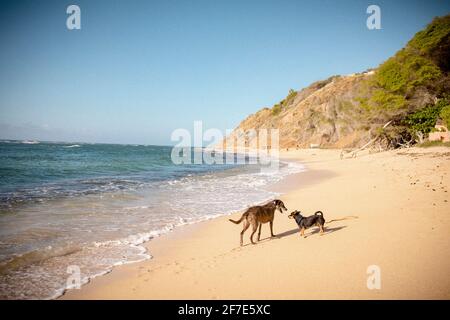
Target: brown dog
(257,215)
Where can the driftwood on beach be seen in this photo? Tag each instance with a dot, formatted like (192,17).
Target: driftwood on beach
(368,144)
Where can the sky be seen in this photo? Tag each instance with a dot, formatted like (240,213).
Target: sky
(138,70)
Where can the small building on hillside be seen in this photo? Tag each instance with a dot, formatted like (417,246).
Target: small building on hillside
(440,134)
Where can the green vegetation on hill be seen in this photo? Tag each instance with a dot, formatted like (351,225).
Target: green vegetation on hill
(432,36)
(445,114)
(404,72)
(411,68)
(403,87)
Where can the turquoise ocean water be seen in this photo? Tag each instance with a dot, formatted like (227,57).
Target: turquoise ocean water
(93,205)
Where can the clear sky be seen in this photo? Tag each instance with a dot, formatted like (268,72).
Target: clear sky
(137,70)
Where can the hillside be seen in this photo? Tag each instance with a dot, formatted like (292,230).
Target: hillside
(410,91)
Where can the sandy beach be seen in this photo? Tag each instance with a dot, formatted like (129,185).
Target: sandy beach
(393,212)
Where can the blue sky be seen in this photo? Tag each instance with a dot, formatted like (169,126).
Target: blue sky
(137,70)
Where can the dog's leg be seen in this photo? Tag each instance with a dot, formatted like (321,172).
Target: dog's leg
(259,231)
(271,229)
(246,225)
(302,232)
(321,229)
(255,228)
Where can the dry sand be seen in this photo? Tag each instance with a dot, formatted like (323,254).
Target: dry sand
(400,199)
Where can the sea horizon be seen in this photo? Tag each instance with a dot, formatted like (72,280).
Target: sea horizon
(85,142)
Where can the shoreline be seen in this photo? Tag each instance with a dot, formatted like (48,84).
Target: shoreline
(245,186)
(276,187)
(204,261)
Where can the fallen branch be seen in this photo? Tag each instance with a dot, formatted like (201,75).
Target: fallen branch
(354,153)
(407,144)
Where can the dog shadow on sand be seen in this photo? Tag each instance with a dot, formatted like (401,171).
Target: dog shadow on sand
(311,232)
(308,233)
(327,230)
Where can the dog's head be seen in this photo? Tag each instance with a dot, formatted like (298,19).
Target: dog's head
(279,205)
(294,214)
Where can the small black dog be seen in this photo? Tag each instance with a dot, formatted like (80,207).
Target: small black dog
(306,222)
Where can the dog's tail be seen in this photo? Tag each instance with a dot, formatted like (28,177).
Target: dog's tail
(239,221)
(319,213)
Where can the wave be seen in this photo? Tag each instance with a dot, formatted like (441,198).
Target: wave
(72,146)
(30,142)
(36,256)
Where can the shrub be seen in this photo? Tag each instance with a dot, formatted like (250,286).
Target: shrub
(383,99)
(390,76)
(425,119)
(445,111)
(290,97)
(276,109)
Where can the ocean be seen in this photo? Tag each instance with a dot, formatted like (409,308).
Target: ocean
(90,207)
